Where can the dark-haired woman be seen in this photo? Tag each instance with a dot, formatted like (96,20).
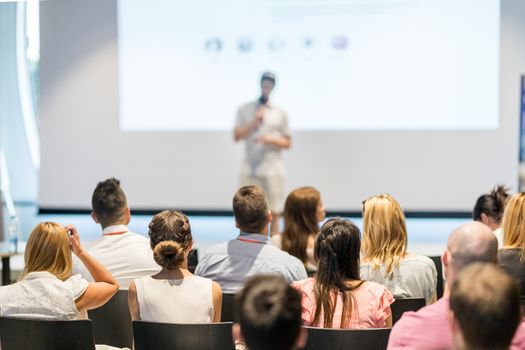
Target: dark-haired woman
(489,210)
(174,295)
(336,297)
(303,211)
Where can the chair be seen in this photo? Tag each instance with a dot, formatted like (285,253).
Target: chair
(193,260)
(439,269)
(112,322)
(228,308)
(347,339)
(400,306)
(166,336)
(30,334)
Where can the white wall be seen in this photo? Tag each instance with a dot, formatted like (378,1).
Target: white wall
(82,144)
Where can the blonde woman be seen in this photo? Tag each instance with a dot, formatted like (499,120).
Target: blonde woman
(46,289)
(385,259)
(511,256)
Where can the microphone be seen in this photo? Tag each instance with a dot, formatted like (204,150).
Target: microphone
(263,100)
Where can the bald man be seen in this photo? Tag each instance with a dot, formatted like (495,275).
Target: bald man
(428,328)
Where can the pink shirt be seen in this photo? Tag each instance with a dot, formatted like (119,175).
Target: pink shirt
(429,329)
(370,305)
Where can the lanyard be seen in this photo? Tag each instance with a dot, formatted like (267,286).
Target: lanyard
(114,233)
(246,240)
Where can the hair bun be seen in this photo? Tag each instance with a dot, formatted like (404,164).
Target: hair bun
(169,254)
(500,193)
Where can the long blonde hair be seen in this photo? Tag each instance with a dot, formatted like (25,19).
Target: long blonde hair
(48,250)
(384,232)
(513,223)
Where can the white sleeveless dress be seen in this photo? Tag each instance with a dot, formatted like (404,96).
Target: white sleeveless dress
(187,300)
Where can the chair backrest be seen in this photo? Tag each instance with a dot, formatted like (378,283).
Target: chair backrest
(167,336)
(439,269)
(405,304)
(347,339)
(228,308)
(112,322)
(29,334)
(193,260)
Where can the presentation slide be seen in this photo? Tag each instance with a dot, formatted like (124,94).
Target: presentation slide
(340,64)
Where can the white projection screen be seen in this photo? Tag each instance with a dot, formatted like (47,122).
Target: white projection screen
(417,98)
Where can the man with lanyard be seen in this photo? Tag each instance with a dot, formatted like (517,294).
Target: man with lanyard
(252,252)
(125,254)
(264,128)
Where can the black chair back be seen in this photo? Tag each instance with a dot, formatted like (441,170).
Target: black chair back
(112,322)
(439,269)
(347,339)
(29,334)
(400,306)
(193,260)
(228,308)
(166,336)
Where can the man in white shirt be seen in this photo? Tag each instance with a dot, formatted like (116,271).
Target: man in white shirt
(252,252)
(125,254)
(264,128)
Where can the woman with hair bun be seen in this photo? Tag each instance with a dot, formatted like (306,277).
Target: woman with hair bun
(489,210)
(174,295)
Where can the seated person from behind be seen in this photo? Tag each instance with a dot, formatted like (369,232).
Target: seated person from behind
(269,314)
(336,297)
(303,211)
(385,259)
(484,308)
(125,254)
(429,327)
(252,252)
(174,295)
(46,289)
(510,256)
(489,210)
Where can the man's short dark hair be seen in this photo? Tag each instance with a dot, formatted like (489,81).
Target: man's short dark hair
(269,76)
(486,304)
(250,208)
(269,312)
(109,201)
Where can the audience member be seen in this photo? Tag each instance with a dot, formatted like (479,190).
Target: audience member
(429,328)
(174,295)
(489,210)
(511,256)
(252,252)
(46,289)
(385,259)
(269,314)
(303,211)
(485,308)
(125,254)
(336,297)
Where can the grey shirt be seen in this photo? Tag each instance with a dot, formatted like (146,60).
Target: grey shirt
(231,263)
(263,160)
(415,277)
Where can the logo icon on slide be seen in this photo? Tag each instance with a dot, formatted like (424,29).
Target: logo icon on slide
(340,42)
(213,45)
(245,45)
(308,42)
(276,44)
